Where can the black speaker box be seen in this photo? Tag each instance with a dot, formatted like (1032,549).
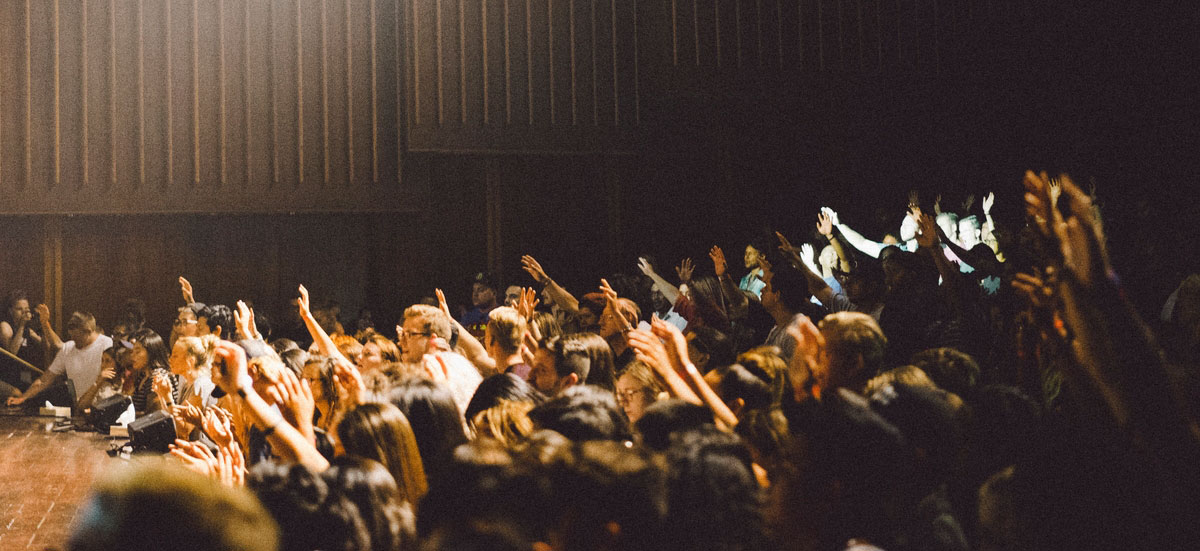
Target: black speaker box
(153,432)
(105,412)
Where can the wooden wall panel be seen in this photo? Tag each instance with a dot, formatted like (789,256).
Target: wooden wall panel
(528,76)
(122,106)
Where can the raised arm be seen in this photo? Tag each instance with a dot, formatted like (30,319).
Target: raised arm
(856,240)
(320,337)
(472,349)
(816,284)
(827,225)
(668,290)
(736,301)
(931,244)
(51,341)
(564,299)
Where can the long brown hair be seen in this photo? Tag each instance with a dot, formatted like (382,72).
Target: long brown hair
(382,432)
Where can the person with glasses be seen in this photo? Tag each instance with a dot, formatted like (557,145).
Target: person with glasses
(424,340)
(637,389)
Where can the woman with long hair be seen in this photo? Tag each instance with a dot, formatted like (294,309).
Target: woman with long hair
(381,432)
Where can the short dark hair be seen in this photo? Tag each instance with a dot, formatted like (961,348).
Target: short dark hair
(502,386)
(219,315)
(792,288)
(583,412)
(666,417)
(716,344)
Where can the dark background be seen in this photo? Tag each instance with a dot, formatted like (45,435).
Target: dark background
(661,146)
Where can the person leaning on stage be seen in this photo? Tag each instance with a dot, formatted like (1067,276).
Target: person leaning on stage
(79,359)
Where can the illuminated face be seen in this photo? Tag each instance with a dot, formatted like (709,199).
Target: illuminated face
(186,324)
(828,258)
(751,258)
(371,358)
(312,374)
(633,397)
(968,234)
(181,362)
(414,341)
(20,310)
(948,226)
(512,295)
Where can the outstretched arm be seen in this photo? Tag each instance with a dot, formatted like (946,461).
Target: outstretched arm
(668,290)
(563,298)
(52,341)
(320,337)
(471,348)
(856,240)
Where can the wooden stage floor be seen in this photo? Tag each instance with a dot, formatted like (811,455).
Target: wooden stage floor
(46,476)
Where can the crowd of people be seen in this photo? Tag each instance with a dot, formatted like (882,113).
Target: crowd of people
(955,385)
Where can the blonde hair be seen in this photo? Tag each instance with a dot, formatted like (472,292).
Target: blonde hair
(507,327)
(200,349)
(506,422)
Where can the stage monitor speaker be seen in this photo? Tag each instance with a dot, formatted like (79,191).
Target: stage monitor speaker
(153,432)
(105,412)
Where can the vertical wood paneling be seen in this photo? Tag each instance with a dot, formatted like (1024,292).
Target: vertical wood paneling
(191,105)
(40,100)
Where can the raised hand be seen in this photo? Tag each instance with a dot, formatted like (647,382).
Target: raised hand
(937,204)
(231,373)
(914,199)
(187,413)
(185,287)
(43,313)
(1069,225)
(927,232)
(988,201)
(650,350)
(535,270)
(833,215)
(295,400)
(352,389)
(808,257)
(195,457)
(968,203)
(824,224)
(231,466)
(527,303)
(218,426)
(684,270)
(645,267)
(673,341)
(718,260)
(243,317)
(609,294)
(162,388)
(810,346)
(304,304)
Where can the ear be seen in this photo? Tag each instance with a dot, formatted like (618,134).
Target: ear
(567,382)
(216,331)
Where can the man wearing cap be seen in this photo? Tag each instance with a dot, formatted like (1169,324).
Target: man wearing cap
(78,360)
(483,298)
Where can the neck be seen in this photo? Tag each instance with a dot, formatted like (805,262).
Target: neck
(781,315)
(86,341)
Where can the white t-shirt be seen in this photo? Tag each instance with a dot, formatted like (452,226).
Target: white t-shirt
(81,365)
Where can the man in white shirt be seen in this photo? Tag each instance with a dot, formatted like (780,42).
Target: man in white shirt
(79,359)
